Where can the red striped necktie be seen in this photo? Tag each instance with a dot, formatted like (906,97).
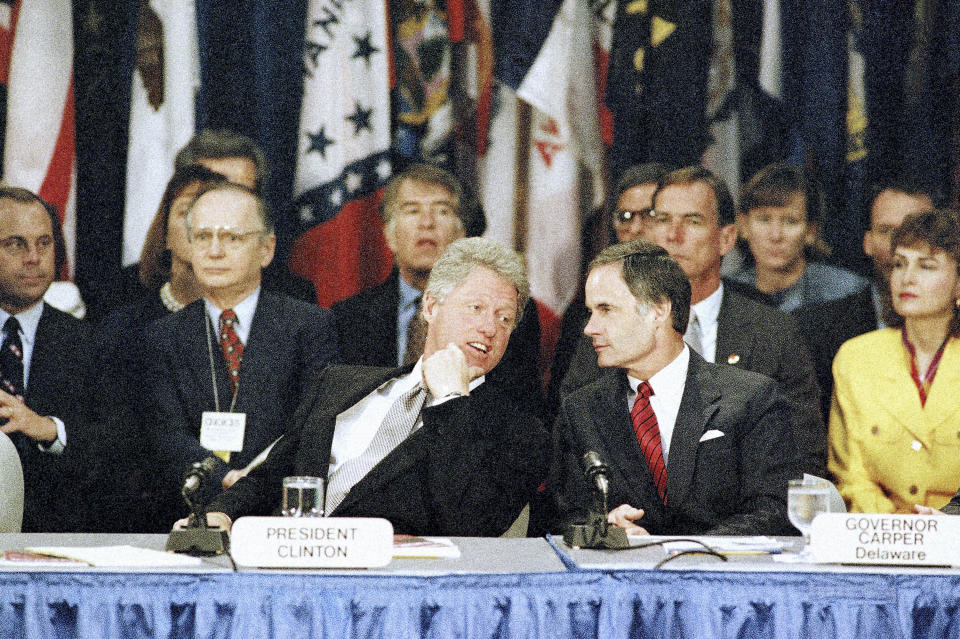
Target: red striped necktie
(648,435)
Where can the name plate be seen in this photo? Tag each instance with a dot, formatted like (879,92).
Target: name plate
(903,540)
(311,542)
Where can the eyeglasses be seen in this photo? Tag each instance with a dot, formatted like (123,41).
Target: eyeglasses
(625,216)
(230,240)
(691,220)
(18,246)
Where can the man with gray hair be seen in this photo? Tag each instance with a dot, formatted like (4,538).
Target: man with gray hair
(691,447)
(429,446)
(240,355)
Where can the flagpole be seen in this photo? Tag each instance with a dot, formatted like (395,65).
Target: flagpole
(521,181)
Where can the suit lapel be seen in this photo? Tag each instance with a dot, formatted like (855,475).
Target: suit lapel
(697,407)
(733,335)
(382,323)
(265,338)
(193,351)
(616,441)
(942,401)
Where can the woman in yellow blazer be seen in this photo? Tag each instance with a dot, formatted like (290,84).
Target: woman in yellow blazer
(895,412)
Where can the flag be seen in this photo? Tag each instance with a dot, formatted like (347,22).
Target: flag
(343,149)
(165,80)
(36,67)
(542,55)
(657,82)
(422,108)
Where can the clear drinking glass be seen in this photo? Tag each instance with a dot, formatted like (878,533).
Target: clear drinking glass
(806,500)
(303,496)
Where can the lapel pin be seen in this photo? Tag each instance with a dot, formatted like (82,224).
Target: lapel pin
(733,359)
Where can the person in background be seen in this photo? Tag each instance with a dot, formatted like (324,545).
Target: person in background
(780,221)
(827,325)
(894,434)
(41,364)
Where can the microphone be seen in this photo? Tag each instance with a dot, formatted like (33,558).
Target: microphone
(197,473)
(595,469)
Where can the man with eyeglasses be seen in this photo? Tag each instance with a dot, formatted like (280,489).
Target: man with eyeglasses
(40,360)
(230,369)
(693,218)
(424,211)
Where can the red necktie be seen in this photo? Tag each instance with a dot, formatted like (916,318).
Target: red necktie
(648,434)
(232,347)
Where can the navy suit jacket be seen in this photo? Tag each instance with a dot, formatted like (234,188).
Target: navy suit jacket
(367,329)
(289,344)
(55,388)
(753,337)
(734,484)
(468,471)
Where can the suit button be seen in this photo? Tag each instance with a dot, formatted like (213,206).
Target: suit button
(874,429)
(916,445)
(913,490)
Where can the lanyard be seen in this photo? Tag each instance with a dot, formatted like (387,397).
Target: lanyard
(213,369)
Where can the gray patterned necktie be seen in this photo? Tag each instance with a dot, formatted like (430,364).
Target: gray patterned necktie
(692,336)
(396,427)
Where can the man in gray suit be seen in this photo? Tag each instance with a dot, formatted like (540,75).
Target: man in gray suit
(693,219)
(692,447)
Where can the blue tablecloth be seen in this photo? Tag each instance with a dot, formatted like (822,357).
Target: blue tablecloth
(672,603)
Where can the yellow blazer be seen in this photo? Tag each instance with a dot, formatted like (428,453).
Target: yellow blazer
(886,451)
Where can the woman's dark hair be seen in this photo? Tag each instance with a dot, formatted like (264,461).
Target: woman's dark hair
(939,230)
(154,258)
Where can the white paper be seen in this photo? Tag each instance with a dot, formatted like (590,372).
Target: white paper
(113,556)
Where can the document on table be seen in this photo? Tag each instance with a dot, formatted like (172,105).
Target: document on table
(750,545)
(411,546)
(118,556)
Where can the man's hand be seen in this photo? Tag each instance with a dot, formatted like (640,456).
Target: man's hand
(927,510)
(233,476)
(214,520)
(623,516)
(22,419)
(446,372)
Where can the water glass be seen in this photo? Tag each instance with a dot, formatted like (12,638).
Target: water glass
(303,496)
(806,500)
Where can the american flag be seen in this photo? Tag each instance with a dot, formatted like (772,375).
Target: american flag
(36,71)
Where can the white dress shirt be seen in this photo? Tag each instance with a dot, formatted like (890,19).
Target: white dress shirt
(667,384)
(244,310)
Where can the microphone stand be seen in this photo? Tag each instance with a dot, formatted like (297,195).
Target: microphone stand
(197,538)
(597,532)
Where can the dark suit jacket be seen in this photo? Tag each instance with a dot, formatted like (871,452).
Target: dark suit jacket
(55,388)
(758,338)
(825,326)
(289,344)
(367,330)
(735,484)
(467,472)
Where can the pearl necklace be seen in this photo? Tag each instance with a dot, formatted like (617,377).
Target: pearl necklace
(166,296)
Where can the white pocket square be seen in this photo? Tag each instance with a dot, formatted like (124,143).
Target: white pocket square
(711,434)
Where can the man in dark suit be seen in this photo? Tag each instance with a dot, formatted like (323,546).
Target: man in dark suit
(424,211)
(692,447)
(239,350)
(40,362)
(826,326)
(462,461)
(693,219)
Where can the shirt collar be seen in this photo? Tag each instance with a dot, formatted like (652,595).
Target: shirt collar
(29,321)
(244,311)
(668,379)
(408,294)
(708,309)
